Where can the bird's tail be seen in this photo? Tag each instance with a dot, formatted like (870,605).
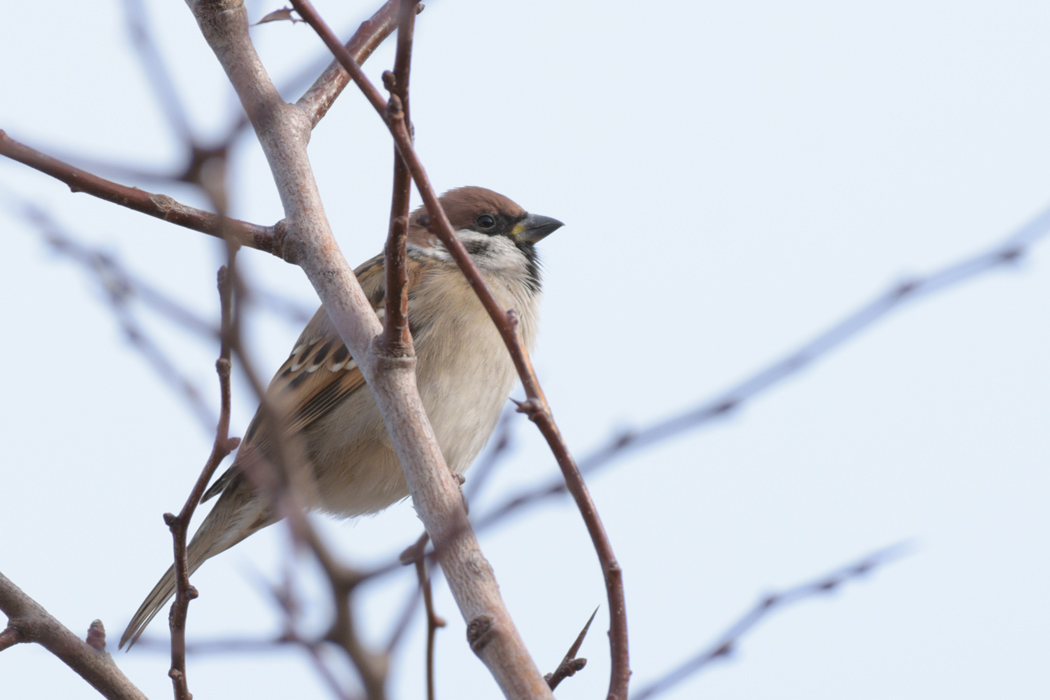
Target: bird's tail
(228,523)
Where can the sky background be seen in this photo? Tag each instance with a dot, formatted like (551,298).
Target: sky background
(734,178)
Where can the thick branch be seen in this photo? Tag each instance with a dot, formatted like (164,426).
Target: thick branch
(283,132)
(319,98)
(538,409)
(29,622)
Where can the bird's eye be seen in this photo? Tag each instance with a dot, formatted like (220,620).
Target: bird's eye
(485,221)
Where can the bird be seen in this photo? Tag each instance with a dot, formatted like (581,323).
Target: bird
(463,371)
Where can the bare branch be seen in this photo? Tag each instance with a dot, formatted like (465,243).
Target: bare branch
(727,643)
(157,75)
(322,94)
(160,206)
(282,130)
(398,339)
(179,525)
(506,323)
(29,622)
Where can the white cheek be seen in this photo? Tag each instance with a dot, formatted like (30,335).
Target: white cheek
(500,256)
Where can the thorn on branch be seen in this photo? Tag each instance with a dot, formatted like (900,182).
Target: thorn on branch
(533,408)
(570,664)
(282,15)
(96,636)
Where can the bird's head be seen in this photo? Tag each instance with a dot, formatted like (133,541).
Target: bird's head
(499,235)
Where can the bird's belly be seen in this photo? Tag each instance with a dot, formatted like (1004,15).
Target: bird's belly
(463,400)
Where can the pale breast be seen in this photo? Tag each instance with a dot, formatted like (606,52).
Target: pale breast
(464,374)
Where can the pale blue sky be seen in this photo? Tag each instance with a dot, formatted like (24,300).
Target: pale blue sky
(734,177)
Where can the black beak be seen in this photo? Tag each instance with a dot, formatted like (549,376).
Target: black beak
(535,228)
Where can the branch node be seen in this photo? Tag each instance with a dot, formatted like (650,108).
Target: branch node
(625,438)
(171,520)
(395,111)
(905,288)
(96,636)
(414,552)
(479,632)
(1009,255)
(10,636)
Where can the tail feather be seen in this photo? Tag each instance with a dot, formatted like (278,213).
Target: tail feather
(237,514)
(197,553)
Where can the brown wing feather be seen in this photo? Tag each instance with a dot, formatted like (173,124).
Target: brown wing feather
(318,374)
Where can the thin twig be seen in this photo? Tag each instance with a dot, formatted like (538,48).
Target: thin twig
(157,75)
(276,479)
(372,32)
(729,640)
(397,337)
(179,525)
(161,206)
(120,287)
(433,623)
(536,405)
(1003,254)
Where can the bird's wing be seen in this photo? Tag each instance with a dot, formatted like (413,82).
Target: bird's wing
(319,373)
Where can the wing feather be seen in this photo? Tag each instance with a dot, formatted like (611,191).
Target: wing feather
(318,374)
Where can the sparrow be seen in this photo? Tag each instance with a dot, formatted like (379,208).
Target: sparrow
(463,371)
